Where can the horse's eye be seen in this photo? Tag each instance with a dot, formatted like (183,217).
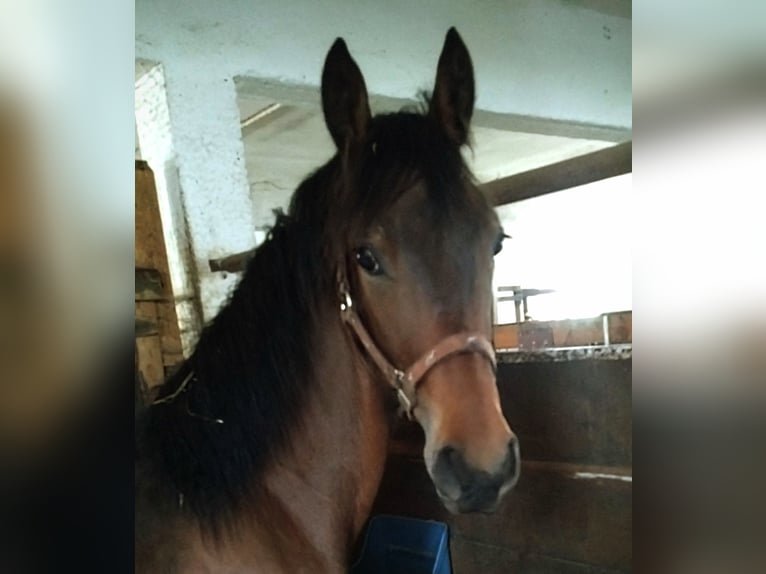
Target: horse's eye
(499,244)
(367,261)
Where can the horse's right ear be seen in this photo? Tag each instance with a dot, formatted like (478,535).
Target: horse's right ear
(344,97)
(454,94)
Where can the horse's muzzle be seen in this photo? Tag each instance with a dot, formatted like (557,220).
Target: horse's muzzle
(466,489)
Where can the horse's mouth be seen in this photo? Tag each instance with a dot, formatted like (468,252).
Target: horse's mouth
(456,507)
(461,506)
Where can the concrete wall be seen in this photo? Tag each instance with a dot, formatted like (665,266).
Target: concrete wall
(545,58)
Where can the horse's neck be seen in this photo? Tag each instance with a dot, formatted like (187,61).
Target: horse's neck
(327,480)
(312,502)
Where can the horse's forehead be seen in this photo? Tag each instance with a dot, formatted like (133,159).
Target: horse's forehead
(418,212)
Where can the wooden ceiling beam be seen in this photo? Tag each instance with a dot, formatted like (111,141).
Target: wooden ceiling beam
(580,170)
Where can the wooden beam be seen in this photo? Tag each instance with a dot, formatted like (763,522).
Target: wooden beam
(602,164)
(581,170)
(153,285)
(307,96)
(232,263)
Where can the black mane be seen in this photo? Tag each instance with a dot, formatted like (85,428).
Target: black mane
(252,365)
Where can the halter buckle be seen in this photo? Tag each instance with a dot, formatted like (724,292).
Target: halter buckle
(404,400)
(405,403)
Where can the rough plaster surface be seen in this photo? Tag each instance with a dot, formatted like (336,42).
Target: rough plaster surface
(198,156)
(211,168)
(542,58)
(283,148)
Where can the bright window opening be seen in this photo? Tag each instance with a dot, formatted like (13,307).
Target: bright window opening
(575,242)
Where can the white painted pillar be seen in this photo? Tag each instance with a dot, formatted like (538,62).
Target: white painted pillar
(210,155)
(211,206)
(155,140)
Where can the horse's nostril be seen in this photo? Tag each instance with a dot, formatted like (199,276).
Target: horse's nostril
(452,462)
(448,452)
(454,459)
(471,489)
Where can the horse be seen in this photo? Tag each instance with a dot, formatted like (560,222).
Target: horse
(370,298)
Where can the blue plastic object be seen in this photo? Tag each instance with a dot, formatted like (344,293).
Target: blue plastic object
(399,545)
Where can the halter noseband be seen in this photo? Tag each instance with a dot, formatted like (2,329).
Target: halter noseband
(406,382)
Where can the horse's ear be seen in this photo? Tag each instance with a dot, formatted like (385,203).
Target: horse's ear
(454,93)
(344,97)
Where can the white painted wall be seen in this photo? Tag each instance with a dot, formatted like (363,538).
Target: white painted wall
(573,241)
(542,58)
(189,134)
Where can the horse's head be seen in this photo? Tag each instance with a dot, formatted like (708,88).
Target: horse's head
(419,241)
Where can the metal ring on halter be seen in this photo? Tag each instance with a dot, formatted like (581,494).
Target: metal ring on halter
(404,400)
(346,302)
(406,403)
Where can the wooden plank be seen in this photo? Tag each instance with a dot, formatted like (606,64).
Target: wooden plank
(153,272)
(149,285)
(535,335)
(571,332)
(172,350)
(571,413)
(231,263)
(146,328)
(620,327)
(588,168)
(472,556)
(146,311)
(506,336)
(149,358)
(566,333)
(148,345)
(150,242)
(578,332)
(575,412)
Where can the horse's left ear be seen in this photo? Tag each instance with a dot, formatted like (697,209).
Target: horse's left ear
(454,93)
(344,97)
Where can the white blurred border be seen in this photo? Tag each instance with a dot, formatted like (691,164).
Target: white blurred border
(70,67)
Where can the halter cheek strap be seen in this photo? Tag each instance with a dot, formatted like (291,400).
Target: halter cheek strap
(406,382)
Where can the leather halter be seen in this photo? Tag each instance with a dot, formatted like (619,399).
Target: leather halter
(406,382)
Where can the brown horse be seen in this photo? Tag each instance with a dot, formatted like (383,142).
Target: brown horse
(265,451)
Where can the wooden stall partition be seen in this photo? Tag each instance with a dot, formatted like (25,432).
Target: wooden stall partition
(571,511)
(570,332)
(158,338)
